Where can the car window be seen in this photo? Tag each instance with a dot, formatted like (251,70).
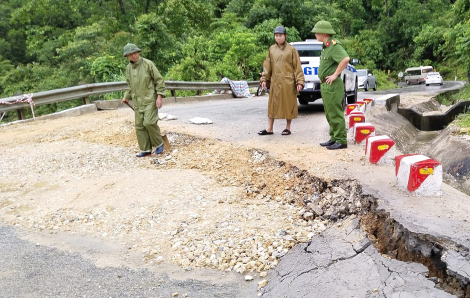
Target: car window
(433,74)
(362,72)
(308,50)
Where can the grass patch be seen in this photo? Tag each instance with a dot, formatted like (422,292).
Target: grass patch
(463,120)
(384,82)
(449,98)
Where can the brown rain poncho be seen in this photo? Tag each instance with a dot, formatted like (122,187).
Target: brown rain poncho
(283,72)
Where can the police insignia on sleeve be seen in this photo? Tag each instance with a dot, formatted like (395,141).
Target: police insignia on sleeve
(333,41)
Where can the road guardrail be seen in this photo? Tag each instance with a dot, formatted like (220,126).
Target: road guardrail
(85,91)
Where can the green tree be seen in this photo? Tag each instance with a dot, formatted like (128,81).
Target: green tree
(463,45)
(264,32)
(156,42)
(195,65)
(187,17)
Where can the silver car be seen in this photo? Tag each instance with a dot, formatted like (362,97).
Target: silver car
(434,78)
(366,79)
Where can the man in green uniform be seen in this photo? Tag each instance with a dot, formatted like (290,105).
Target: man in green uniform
(283,70)
(146,90)
(334,60)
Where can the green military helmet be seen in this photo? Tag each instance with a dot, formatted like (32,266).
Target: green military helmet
(323,27)
(129,49)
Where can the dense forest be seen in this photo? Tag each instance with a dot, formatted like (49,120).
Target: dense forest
(50,44)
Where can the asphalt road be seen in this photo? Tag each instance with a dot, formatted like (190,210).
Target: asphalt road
(30,270)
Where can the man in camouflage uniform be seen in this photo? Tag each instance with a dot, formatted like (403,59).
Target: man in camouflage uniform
(146,90)
(334,60)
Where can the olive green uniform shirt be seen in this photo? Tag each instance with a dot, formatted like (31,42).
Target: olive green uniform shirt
(330,58)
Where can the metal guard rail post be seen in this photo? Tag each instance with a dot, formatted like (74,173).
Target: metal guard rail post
(82,91)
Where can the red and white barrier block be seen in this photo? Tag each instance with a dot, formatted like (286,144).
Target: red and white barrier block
(351,108)
(353,118)
(362,131)
(362,106)
(368,101)
(419,175)
(380,150)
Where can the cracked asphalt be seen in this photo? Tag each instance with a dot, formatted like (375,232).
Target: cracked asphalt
(343,263)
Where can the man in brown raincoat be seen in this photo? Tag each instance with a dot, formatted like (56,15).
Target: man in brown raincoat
(282,69)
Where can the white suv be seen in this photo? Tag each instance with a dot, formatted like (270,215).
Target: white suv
(310,52)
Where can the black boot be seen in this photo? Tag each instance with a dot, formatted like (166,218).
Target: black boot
(337,146)
(327,143)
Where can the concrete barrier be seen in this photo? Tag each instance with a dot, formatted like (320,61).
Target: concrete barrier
(350,108)
(380,150)
(108,104)
(390,101)
(419,175)
(398,160)
(362,131)
(368,100)
(353,118)
(362,105)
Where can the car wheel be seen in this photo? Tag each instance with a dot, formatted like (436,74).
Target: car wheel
(345,100)
(427,84)
(366,86)
(407,82)
(375,86)
(353,98)
(442,84)
(302,101)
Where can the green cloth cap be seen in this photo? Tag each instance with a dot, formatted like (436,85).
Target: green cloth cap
(323,27)
(129,49)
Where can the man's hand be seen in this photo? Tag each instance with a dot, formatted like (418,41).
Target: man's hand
(263,85)
(341,66)
(124,100)
(299,88)
(329,79)
(159,102)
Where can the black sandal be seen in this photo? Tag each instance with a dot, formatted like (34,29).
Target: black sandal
(286,132)
(265,132)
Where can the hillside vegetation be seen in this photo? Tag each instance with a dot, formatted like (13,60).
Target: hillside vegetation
(49,44)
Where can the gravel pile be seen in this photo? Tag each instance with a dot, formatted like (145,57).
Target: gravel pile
(202,204)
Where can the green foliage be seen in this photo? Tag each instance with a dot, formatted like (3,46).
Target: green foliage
(384,81)
(463,44)
(463,120)
(264,32)
(367,47)
(156,42)
(48,44)
(32,78)
(299,14)
(187,17)
(107,69)
(195,66)
(449,99)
